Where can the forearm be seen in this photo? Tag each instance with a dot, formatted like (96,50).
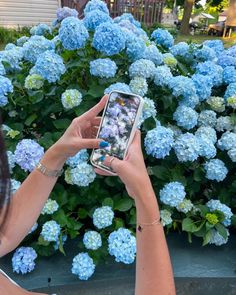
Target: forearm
(154,275)
(28,201)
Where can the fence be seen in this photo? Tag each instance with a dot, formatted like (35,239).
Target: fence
(146,11)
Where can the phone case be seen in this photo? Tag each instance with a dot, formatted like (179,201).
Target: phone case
(139,112)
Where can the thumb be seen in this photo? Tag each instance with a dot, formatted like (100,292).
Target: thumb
(92,143)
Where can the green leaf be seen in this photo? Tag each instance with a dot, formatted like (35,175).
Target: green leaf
(160,172)
(61,123)
(30,119)
(209,226)
(35,96)
(60,217)
(123,205)
(42,242)
(234,220)
(61,249)
(108,202)
(222,230)
(189,225)
(207,237)
(198,175)
(119,223)
(204,209)
(82,213)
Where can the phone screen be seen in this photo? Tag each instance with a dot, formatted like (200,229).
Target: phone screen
(117,124)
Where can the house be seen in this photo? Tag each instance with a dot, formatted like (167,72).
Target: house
(14,13)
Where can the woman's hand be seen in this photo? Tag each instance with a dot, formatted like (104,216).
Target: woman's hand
(132,170)
(81,134)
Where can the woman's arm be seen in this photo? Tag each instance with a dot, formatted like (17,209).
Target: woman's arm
(28,201)
(154,275)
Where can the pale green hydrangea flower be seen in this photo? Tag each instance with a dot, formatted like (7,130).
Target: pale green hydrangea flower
(232,101)
(71,98)
(165,217)
(185,206)
(34,82)
(216,103)
(50,207)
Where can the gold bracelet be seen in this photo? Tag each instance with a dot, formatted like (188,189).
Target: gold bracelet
(141,225)
(45,171)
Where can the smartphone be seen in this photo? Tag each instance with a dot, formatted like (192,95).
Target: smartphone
(119,122)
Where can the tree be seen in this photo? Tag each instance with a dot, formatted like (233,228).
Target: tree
(188,6)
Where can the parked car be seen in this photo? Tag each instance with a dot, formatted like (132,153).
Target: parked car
(216,29)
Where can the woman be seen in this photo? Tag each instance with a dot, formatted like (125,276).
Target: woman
(153,267)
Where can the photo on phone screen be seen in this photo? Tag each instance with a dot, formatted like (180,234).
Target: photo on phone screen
(117,126)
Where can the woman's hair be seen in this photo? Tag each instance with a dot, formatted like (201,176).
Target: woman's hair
(5,180)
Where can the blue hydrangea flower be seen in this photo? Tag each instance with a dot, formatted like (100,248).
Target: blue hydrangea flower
(129,17)
(50,207)
(94,18)
(230,91)
(21,41)
(51,231)
(103,217)
(214,71)
(35,46)
(40,30)
(229,75)
(103,68)
(163,76)
(217,205)
(163,37)
(207,148)
(2,69)
(122,245)
(207,118)
(224,124)
(139,85)
(12,57)
(207,131)
(185,117)
(92,240)
(172,194)
(165,217)
(142,68)
(180,49)
(215,170)
(11,160)
(33,228)
(81,156)
(204,53)
(72,33)
(182,86)
(217,239)
(117,86)
(65,12)
(50,66)
(135,47)
(169,60)
(131,29)
(34,81)
(15,184)
(3,100)
(187,147)
(10,46)
(83,265)
(159,142)
(232,154)
(23,260)
(216,45)
(109,39)
(152,53)
(95,5)
(227,141)
(71,98)
(5,88)
(28,153)
(83,174)
(203,85)
(216,103)
(226,60)
(149,110)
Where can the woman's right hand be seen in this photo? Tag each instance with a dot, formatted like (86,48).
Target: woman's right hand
(132,170)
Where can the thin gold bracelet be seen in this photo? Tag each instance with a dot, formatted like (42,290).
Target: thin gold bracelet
(51,173)
(140,226)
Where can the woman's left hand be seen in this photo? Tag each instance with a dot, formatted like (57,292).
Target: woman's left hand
(81,134)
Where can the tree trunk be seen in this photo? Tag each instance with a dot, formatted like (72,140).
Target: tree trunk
(188,6)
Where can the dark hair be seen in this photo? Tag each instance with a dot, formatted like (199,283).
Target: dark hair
(5,180)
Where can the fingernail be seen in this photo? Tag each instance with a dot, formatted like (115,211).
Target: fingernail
(102,158)
(103,144)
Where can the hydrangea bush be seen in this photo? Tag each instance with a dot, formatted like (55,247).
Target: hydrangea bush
(188,129)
